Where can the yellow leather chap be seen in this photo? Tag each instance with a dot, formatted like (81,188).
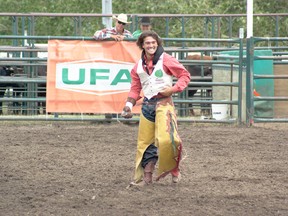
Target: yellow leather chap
(164,133)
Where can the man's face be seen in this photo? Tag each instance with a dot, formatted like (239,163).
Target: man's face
(145,27)
(150,45)
(120,26)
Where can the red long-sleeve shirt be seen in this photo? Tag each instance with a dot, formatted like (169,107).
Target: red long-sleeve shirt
(171,66)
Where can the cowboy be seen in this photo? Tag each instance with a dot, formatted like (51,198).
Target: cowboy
(158,139)
(118,33)
(145,25)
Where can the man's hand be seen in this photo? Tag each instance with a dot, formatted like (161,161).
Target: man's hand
(127,110)
(117,37)
(126,113)
(167,91)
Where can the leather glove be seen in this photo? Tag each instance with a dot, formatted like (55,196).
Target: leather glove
(127,113)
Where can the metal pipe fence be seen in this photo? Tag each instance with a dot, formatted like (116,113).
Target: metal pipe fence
(167,25)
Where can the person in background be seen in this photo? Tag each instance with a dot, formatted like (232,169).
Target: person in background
(145,25)
(118,33)
(158,139)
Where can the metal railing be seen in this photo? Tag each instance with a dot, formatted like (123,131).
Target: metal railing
(167,25)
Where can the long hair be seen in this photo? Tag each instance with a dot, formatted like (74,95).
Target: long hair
(145,34)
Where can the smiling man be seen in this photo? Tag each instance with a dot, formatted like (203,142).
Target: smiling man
(158,140)
(118,33)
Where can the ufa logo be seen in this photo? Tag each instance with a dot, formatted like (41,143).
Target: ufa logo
(97,76)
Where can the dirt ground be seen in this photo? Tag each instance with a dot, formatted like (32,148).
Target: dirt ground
(83,168)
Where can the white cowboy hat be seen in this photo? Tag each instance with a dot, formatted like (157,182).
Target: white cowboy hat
(122,18)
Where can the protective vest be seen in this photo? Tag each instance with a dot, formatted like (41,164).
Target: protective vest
(155,82)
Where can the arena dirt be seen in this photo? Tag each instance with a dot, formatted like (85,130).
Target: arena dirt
(83,168)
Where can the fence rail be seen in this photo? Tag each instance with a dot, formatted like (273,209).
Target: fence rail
(167,25)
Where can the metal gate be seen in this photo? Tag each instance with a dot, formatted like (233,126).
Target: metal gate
(277,97)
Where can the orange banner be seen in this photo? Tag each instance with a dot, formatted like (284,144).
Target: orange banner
(89,76)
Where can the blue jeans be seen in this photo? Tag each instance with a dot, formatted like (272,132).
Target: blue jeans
(149,108)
